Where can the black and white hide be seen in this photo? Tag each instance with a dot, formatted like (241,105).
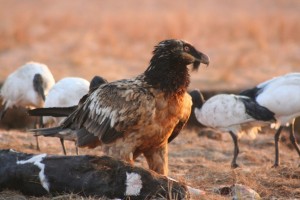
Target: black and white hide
(42,174)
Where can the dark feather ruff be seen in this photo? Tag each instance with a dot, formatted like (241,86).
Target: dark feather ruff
(167,70)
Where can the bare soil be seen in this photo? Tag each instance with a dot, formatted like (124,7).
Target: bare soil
(201,159)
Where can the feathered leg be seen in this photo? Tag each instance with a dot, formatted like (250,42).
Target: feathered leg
(235,151)
(276,138)
(158,160)
(119,152)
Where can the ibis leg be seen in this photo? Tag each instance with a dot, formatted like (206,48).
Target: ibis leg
(235,151)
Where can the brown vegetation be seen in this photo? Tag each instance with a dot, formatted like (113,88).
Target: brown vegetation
(247,41)
(202,162)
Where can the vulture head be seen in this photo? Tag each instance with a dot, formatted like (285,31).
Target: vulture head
(168,65)
(179,52)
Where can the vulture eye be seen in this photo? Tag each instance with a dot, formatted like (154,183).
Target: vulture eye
(186,48)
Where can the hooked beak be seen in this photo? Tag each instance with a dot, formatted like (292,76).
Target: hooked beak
(202,59)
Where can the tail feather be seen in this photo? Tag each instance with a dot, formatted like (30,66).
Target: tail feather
(52,111)
(257,111)
(47,132)
(59,132)
(251,93)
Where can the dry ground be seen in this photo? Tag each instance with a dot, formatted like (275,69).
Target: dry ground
(201,159)
(248,41)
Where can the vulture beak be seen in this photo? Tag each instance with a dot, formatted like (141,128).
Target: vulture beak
(201,58)
(204,59)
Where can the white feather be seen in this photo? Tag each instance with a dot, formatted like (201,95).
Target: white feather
(227,113)
(18,90)
(65,93)
(281,95)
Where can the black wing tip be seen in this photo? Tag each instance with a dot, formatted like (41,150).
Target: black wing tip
(257,111)
(251,93)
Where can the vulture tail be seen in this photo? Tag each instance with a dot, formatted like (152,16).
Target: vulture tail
(47,132)
(52,111)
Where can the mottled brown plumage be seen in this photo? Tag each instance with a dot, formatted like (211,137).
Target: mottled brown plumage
(139,115)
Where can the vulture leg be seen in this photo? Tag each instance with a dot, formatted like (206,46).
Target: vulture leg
(157,160)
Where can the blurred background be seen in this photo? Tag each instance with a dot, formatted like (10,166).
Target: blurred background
(248,41)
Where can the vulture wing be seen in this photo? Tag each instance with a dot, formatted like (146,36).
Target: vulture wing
(114,109)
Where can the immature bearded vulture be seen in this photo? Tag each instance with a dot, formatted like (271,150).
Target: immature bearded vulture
(140,115)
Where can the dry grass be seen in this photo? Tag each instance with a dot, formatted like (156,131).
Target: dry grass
(115,39)
(200,162)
